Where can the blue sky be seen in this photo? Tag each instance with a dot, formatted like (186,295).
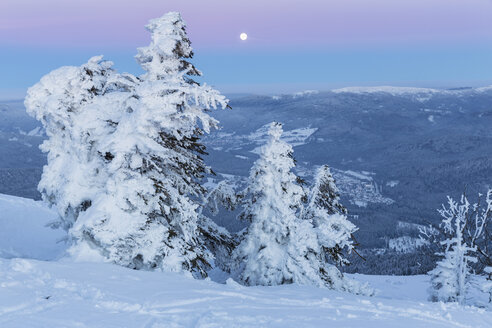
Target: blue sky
(293,45)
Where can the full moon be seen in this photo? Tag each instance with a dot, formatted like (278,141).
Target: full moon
(243,36)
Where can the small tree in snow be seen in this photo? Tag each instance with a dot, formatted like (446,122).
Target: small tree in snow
(324,192)
(329,217)
(450,278)
(334,232)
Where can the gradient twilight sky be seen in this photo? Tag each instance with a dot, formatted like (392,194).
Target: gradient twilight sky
(292,45)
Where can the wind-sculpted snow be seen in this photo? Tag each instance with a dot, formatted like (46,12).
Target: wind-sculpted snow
(66,294)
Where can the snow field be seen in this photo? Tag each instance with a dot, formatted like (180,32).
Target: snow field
(67,294)
(64,293)
(23,230)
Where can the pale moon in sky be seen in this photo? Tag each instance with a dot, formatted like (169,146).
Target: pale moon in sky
(243,36)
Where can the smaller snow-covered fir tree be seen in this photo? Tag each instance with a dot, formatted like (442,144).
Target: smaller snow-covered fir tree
(280,246)
(450,278)
(334,232)
(275,249)
(324,192)
(329,217)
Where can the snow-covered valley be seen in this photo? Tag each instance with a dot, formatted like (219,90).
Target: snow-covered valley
(40,289)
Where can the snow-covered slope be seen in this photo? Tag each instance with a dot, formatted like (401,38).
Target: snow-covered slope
(64,293)
(23,230)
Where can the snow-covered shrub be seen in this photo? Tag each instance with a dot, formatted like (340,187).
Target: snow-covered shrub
(476,231)
(280,246)
(450,278)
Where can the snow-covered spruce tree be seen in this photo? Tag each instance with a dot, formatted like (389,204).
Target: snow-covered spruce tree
(329,217)
(147,218)
(275,249)
(334,232)
(450,278)
(279,246)
(324,192)
(73,175)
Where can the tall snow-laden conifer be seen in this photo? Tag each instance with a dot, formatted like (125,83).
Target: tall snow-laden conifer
(328,216)
(147,218)
(450,278)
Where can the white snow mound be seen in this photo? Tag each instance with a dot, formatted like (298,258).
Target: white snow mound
(23,230)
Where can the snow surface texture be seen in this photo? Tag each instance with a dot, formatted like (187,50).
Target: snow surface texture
(23,230)
(64,294)
(68,294)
